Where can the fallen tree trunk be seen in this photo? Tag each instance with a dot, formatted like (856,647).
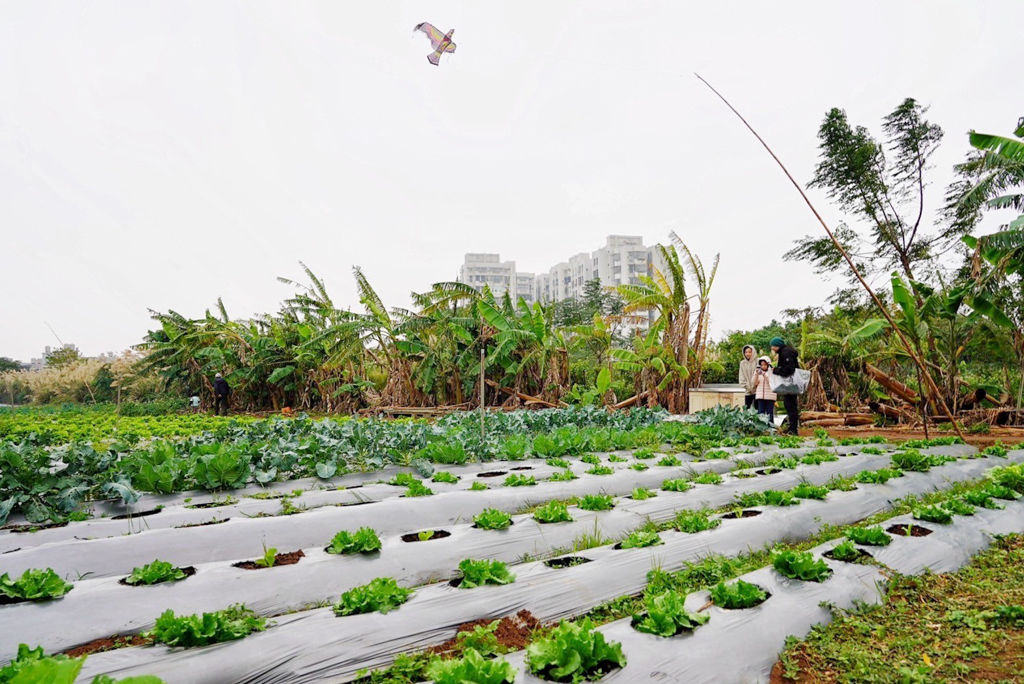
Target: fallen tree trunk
(537,401)
(823,422)
(629,402)
(892,412)
(893,385)
(856,419)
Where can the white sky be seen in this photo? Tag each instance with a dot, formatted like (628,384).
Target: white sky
(159,154)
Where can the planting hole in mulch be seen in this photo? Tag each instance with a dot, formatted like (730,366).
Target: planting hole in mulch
(768,471)
(212,504)
(6,600)
(743,475)
(514,633)
(415,536)
(108,644)
(215,521)
(862,557)
(140,514)
(522,468)
(566,562)
(19,529)
(280,559)
(355,503)
(493,473)
(914,530)
(189,571)
(17,548)
(747,513)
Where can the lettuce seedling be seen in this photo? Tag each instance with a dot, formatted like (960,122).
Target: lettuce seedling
(189,631)
(738,595)
(666,616)
(404,480)
(517,480)
(592,459)
(819,456)
(574,651)
(959,507)
(868,536)
(600,470)
(444,476)
(639,467)
(268,559)
(676,485)
(552,512)
(32,665)
(805,490)
(983,499)
(154,573)
(749,499)
(478,487)
(670,461)
(934,514)
(874,451)
(692,522)
(381,595)
(776,498)
(709,477)
(641,539)
(471,667)
(785,462)
(364,540)
(846,552)
(880,476)
(482,639)
(716,455)
(641,493)
(596,502)
(643,454)
(492,519)
(476,573)
(417,488)
(557,463)
(616,459)
(913,460)
(1011,477)
(564,476)
(801,565)
(34,585)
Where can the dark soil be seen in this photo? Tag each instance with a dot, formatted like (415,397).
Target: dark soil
(769,471)
(189,571)
(566,562)
(203,524)
(290,558)
(415,536)
(6,600)
(493,473)
(514,633)
(915,530)
(211,504)
(108,644)
(748,513)
(140,514)
(522,468)
(18,529)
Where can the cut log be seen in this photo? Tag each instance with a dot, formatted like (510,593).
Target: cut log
(629,402)
(533,401)
(835,421)
(855,419)
(892,412)
(891,384)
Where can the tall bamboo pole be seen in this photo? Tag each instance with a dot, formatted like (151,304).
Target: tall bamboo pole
(853,267)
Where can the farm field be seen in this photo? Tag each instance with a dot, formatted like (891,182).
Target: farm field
(407,551)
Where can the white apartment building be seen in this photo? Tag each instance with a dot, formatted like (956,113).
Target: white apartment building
(501,276)
(40,363)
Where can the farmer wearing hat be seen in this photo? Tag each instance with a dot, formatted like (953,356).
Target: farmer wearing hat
(763,388)
(221,391)
(785,368)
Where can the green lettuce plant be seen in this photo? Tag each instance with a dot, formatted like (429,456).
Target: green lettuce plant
(363,540)
(709,477)
(666,617)
(444,476)
(805,490)
(492,519)
(600,470)
(476,573)
(642,493)
(641,539)
(417,488)
(154,573)
(596,502)
(846,551)
(574,652)
(380,595)
(691,522)
(868,536)
(934,514)
(738,595)
(34,585)
(517,480)
(677,485)
(190,631)
(552,512)
(801,565)
(563,476)
(471,667)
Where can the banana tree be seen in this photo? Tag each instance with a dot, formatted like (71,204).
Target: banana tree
(654,367)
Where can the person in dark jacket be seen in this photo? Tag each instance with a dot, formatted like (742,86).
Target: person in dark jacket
(221,392)
(787,365)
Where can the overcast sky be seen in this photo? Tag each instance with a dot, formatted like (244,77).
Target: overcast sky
(157,155)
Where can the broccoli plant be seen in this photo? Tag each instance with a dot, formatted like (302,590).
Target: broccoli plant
(574,651)
(492,519)
(476,573)
(552,512)
(471,667)
(596,502)
(364,540)
(666,617)
(189,631)
(738,595)
(381,595)
(801,565)
(154,573)
(34,585)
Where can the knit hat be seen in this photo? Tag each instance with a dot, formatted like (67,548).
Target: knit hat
(777,342)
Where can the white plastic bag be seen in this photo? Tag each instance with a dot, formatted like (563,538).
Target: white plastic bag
(795,384)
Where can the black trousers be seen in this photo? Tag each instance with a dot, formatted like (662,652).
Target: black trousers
(792,413)
(221,406)
(748,400)
(767,407)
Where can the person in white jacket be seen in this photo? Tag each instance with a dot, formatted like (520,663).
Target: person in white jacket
(763,393)
(748,366)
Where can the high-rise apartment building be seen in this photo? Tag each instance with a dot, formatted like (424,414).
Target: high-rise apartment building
(501,276)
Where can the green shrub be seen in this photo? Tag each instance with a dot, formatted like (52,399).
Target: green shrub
(381,595)
(34,585)
(190,631)
(574,651)
(737,596)
(666,616)
(492,519)
(596,502)
(801,565)
(363,540)
(552,512)
(154,573)
(476,573)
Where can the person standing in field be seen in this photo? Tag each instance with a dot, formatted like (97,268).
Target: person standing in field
(786,366)
(763,388)
(748,366)
(221,392)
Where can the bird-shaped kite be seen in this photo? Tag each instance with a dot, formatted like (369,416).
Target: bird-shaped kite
(441,42)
